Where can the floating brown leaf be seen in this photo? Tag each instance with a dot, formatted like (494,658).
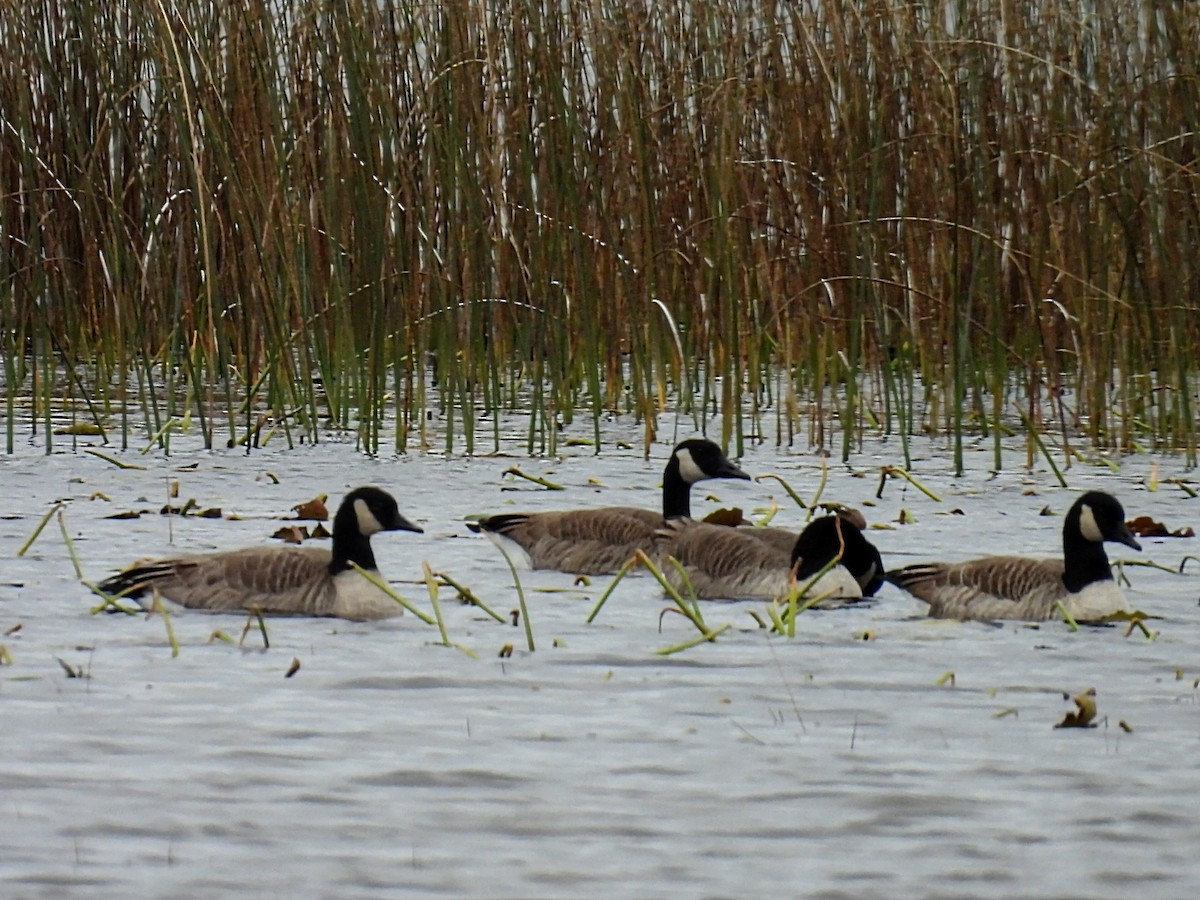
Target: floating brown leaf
(732,517)
(313,509)
(213,512)
(1085,712)
(1144,526)
(293,668)
(128,514)
(292,534)
(320,531)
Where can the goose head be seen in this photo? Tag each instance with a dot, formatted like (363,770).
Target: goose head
(1098,517)
(698,458)
(369,510)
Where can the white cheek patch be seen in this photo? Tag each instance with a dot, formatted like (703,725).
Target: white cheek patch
(367,523)
(688,469)
(1087,525)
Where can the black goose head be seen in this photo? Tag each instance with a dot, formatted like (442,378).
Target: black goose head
(693,460)
(698,458)
(364,511)
(1097,517)
(824,539)
(1094,518)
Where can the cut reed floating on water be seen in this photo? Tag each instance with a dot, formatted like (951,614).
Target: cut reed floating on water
(24,548)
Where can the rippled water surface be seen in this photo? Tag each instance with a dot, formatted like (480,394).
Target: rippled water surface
(846,762)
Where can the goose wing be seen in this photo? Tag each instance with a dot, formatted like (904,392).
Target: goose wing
(996,587)
(780,540)
(591,542)
(723,562)
(287,580)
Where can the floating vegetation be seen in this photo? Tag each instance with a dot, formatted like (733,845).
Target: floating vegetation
(314,509)
(41,525)
(161,608)
(1146,526)
(255,618)
(387,589)
(1084,712)
(431,583)
(516,472)
(887,472)
(523,612)
(468,596)
(72,671)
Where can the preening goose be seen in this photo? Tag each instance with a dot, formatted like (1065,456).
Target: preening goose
(1018,587)
(300,581)
(733,564)
(599,541)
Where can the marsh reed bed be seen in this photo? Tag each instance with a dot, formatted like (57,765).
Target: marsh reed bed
(771,217)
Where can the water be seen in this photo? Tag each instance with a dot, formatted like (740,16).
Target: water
(843,763)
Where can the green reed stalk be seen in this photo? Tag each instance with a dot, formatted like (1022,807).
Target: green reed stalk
(197,196)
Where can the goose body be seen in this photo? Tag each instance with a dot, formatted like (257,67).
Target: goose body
(735,564)
(600,541)
(1018,587)
(299,581)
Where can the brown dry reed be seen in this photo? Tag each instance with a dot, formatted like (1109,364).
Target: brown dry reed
(275,218)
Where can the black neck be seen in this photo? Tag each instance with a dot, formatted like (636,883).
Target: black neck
(677,493)
(1084,561)
(349,544)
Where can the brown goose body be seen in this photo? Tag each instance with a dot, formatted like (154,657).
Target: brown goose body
(723,563)
(737,563)
(1017,587)
(600,541)
(776,539)
(298,581)
(994,587)
(584,541)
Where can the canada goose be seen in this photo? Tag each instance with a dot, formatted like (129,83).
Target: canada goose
(862,559)
(733,564)
(1018,587)
(301,581)
(599,541)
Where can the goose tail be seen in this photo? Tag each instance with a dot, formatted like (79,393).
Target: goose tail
(135,581)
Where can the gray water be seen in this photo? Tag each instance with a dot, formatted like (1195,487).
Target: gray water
(845,762)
